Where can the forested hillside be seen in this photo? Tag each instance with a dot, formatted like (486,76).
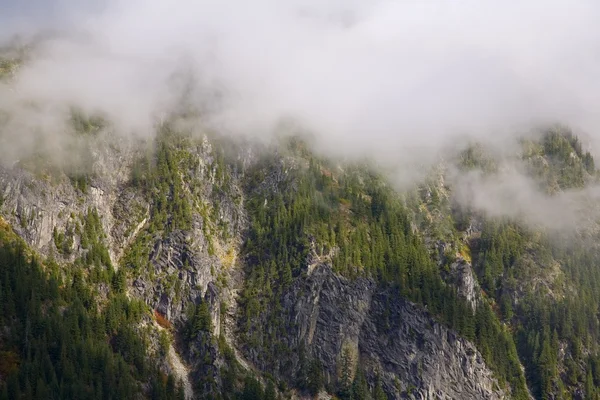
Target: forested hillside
(61,339)
(193,266)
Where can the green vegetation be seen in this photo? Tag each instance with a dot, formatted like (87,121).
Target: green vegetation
(92,240)
(85,125)
(547,292)
(199,320)
(64,240)
(363,228)
(476,157)
(8,67)
(72,332)
(162,176)
(510,257)
(558,160)
(57,344)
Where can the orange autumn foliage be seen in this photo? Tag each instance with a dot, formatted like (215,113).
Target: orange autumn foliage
(162,321)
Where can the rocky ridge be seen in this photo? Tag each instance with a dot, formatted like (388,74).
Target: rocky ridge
(415,356)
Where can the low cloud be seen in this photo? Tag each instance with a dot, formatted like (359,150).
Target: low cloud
(395,80)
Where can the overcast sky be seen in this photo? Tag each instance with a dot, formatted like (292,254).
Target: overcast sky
(406,71)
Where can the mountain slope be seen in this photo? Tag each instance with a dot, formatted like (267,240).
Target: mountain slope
(273,272)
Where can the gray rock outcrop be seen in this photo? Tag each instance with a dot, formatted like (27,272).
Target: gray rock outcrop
(415,356)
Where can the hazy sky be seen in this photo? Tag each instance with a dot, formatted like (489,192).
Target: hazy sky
(360,70)
(392,79)
(29,16)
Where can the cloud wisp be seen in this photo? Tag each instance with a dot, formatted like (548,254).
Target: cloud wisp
(395,80)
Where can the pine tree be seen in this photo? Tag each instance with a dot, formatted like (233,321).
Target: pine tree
(270,391)
(314,377)
(346,373)
(590,391)
(252,389)
(119,282)
(202,319)
(360,390)
(378,392)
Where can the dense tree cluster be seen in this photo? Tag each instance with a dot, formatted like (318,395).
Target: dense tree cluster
(362,227)
(547,291)
(558,161)
(510,256)
(160,176)
(539,306)
(57,344)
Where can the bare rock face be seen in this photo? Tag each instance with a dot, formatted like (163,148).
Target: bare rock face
(331,317)
(38,205)
(458,272)
(184,270)
(430,361)
(461,275)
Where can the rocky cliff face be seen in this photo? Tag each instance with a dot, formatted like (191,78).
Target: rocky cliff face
(328,317)
(38,202)
(333,318)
